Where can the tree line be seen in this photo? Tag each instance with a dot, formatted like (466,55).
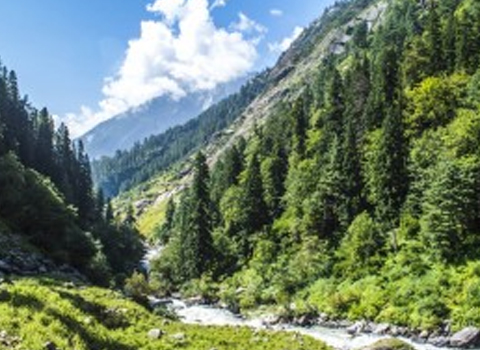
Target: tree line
(47,194)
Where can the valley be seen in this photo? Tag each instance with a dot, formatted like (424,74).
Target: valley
(331,200)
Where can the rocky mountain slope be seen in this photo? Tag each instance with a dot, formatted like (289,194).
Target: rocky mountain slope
(281,84)
(152,118)
(295,69)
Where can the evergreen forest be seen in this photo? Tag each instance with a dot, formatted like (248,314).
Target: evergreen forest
(359,196)
(47,195)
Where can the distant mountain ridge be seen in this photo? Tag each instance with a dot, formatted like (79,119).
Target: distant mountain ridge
(152,118)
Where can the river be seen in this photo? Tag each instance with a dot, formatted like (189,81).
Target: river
(336,338)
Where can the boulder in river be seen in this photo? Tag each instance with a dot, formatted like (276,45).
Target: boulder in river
(198,300)
(466,338)
(356,328)
(389,344)
(382,328)
(438,341)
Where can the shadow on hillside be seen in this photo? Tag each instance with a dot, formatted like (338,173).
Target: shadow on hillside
(28,301)
(93,342)
(110,318)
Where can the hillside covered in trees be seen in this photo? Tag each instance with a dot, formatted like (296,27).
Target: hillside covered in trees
(359,197)
(129,168)
(47,197)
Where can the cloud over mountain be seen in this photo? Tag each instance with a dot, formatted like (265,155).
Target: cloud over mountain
(180,51)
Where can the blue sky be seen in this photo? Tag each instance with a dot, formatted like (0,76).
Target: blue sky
(75,58)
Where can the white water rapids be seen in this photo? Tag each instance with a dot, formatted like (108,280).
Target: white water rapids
(337,338)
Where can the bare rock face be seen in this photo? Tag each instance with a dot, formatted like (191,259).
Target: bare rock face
(466,338)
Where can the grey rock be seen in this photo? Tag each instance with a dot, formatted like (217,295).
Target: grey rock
(322,318)
(198,300)
(271,320)
(465,338)
(381,328)
(395,331)
(155,334)
(303,321)
(356,328)
(438,341)
(424,335)
(180,337)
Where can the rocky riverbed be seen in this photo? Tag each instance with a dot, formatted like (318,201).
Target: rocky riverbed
(338,334)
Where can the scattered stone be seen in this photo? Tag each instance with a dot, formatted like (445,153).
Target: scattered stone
(303,321)
(322,318)
(271,320)
(465,338)
(369,327)
(8,341)
(447,327)
(381,329)
(179,337)
(424,335)
(198,300)
(389,344)
(344,324)
(155,334)
(356,328)
(50,346)
(438,341)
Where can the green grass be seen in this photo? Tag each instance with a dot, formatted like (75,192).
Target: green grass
(153,217)
(47,310)
(389,344)
(155,191)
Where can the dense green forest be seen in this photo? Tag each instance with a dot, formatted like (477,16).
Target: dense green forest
(47,194)
(360,197)
(129,168)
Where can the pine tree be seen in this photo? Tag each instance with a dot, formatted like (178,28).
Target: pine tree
(390,164)
(193,223)
(201,221)
(84,198)
(255,208)
(299,120)
(434,44)
(165,231)
(65,160)
(449,44)
(44,151)
(351,169)
(274,172)
(335,105)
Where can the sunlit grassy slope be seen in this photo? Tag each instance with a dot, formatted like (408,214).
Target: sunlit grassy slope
(34,312)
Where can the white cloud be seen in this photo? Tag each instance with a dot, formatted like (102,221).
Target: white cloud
(181,52)
(276,12)
(279,47)
(247,25)
(219,3)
